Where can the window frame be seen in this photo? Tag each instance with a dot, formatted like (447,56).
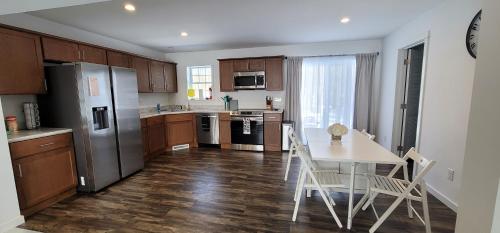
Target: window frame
(191,82)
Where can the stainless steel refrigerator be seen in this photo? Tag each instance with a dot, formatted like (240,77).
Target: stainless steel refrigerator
(100,103)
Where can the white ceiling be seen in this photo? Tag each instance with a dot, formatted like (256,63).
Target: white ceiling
(226,24)
(18,6)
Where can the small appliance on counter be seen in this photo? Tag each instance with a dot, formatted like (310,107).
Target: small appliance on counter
(31,115)
(230,104)
(269,103)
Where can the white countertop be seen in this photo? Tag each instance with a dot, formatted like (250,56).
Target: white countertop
(153,114)
(24,135)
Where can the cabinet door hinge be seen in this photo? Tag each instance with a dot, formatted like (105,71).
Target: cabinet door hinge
(407,61)
(403,106)
(399,148)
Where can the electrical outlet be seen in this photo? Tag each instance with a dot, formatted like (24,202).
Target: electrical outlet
(451,174)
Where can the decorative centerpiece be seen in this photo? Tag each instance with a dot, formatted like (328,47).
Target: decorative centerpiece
(337,131)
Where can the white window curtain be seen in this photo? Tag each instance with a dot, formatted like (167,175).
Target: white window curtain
(328,87)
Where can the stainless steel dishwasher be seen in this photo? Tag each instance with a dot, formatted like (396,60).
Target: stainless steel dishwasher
(207,126)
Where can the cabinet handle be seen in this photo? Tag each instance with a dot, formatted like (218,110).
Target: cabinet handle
(83,55)
(271,117)
(20,170)
(47,144)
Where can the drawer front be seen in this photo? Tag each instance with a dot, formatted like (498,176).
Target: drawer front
(178,117)
(155,120)
(34,146)
(224,117)
(273,117)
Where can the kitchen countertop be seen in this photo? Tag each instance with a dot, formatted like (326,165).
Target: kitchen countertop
(24,135)
(153,114)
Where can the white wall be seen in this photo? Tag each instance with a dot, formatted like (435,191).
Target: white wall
(13,106)
(448,88)
(482,161)
(10,215)
(256,99)
(38,24)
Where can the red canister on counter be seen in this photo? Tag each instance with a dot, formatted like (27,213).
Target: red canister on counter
(11,123)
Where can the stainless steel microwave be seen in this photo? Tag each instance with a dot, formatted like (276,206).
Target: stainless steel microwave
(249,80)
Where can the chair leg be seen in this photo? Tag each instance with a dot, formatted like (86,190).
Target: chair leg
(370,201)
(408,201)
(299,196)
(309,190)
(298,185)
(427,219)
(386,214)
(290,153)
(325,199)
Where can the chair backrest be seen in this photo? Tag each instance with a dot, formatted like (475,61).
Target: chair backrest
(423,164)
(370,136)
(305,157)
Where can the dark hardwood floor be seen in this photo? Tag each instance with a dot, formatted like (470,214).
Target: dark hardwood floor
(206,190)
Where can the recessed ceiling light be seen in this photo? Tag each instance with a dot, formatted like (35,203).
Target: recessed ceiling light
(345,20)
(184,34)
(129,7)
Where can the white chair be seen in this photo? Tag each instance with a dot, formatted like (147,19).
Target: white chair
(370,136)
(361,169)
(402,189)
(292,152)
(320,180)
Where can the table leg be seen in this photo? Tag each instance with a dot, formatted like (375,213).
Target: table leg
(351,195)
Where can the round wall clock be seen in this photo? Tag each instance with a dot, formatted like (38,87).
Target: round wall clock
(472,38)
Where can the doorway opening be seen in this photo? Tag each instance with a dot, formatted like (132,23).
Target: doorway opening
(409,100)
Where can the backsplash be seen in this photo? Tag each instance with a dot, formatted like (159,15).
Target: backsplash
(152,99)
(13,106)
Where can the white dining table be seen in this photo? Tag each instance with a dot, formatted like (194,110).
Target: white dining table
(355,148)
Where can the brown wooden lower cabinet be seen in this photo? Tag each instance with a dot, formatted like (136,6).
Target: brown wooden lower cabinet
(42,176)
(180,129)
(272,131)
(225,130)
(156,135)
(145,140)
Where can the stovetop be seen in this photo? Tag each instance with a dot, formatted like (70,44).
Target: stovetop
(248,112)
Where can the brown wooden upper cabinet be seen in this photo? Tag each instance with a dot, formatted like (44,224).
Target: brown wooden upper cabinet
(273,67)
(119,59)
(240,65)
(257,64)
(60,50)
(274,74)
(141,66)
(226,80)
(157,77)
(92,54)
(170,73)
(21,68)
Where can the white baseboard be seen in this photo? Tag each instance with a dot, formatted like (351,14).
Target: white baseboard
(444,199)
(8,225)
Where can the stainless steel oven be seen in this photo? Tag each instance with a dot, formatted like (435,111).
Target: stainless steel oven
(247,130)
(249,80)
